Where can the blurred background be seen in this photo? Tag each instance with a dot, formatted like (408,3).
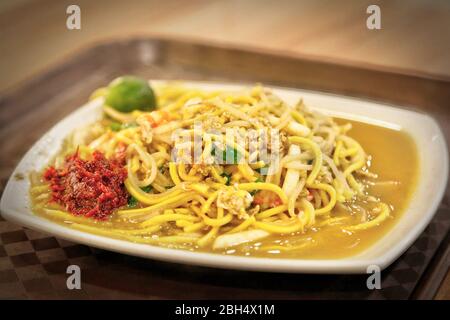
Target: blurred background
(415,34)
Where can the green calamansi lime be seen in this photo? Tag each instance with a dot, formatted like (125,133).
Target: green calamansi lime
(129,93)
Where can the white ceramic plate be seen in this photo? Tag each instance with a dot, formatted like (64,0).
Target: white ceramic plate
(432,182)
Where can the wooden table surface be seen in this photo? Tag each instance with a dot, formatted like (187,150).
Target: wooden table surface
(415,35)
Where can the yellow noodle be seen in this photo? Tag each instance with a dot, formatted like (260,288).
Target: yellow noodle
(332,193)
(284,228)
(271,212)
(264,186)
(383,215)
(243,226)
(317,153)
(174,173)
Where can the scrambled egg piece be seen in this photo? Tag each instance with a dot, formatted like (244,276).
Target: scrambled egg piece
(235,201)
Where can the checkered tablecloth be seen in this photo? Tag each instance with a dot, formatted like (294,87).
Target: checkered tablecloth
(33,266)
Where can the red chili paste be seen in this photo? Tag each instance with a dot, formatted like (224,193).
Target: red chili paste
(92,188)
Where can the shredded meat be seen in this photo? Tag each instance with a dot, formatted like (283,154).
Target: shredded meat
(146,128)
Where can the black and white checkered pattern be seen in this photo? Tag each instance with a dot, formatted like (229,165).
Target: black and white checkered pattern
(33,266)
